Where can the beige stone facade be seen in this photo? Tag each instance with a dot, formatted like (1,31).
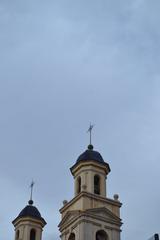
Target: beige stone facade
(90,215)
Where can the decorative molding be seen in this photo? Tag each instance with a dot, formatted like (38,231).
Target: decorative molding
(89,169)
(77,166)
(73,216)
(92,196)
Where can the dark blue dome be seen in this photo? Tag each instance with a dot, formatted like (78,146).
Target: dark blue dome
(90,155)
(30,211)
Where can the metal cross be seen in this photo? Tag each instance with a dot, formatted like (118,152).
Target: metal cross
(90,132)
(31,186)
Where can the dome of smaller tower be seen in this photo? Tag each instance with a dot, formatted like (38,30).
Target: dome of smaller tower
(30,211)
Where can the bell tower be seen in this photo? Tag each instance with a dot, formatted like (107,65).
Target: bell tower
(90,215)
(91,174)
(29,223)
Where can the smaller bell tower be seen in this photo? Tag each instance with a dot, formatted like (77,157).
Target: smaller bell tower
(29,223)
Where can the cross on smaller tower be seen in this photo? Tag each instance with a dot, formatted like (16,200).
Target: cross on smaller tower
(31,186)
(90,135)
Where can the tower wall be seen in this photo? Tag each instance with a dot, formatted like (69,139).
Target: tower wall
(86,172)
(24,226)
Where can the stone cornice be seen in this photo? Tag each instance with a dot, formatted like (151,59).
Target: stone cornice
(85,217)
(92,196)
(77,166)
(29,220)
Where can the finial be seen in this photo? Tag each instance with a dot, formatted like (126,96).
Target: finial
(65,202)
(31,186)
(90,146)
(116,196)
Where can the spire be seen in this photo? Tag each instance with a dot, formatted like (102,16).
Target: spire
(90,146)
(31,186)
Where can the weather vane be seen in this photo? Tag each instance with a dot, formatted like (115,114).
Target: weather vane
(90,132)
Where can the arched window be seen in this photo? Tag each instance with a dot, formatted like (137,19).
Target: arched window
(72,236)
(78,185)
(17,235)
(96,184)
(101,235)
(33,234)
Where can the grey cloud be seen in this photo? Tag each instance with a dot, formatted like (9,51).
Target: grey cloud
(62,65)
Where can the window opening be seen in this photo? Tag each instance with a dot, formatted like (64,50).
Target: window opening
(17,235)
(72,236)
(101,235)
(96,184)
(33,234)
(78,185)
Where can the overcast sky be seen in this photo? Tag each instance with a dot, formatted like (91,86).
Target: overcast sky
(64,64)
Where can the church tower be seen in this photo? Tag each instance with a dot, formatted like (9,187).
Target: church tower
(90,215)
(29,223)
